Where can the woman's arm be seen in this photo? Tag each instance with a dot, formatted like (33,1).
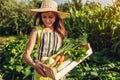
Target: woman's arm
(29,48)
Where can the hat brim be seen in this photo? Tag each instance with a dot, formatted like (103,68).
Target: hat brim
(61,14)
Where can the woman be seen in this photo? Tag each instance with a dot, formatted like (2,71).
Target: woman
(53,33)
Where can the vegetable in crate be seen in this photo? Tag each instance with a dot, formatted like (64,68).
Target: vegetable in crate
(53,60)
(64,64)
(49,61)
(76,54)
(72,49)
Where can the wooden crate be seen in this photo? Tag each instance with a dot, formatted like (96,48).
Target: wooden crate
(52,72)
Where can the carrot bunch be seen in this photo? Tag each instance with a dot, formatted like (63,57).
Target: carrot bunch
(59,58)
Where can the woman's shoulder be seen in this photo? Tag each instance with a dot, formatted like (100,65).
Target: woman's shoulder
(34,32)
(36,29)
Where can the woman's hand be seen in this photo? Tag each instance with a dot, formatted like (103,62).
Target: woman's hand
(40,69)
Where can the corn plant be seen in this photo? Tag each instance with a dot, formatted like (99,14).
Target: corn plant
(100,24)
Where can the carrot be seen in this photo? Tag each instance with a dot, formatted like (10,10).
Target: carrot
(62,58)
(57,58)
(54,55)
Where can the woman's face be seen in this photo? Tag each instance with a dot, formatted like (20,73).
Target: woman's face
(48,18)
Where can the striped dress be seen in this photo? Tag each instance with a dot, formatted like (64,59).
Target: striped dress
(50,42)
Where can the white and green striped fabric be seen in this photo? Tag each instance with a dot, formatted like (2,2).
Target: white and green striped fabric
(49,43)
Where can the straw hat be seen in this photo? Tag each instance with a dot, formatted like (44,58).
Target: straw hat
(48,5)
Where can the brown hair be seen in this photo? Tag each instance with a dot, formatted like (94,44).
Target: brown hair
(58,25)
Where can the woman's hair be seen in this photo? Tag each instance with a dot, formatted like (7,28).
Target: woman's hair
(58,24)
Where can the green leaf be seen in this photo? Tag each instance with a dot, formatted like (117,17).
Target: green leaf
(94,73)
(19,68)
(27,71)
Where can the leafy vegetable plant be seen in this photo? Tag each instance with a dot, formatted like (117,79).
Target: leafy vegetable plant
(13,65)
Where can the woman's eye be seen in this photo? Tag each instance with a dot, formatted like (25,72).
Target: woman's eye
(50,17)
(44,17)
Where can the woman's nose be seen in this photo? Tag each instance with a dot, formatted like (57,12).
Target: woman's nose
(47,19)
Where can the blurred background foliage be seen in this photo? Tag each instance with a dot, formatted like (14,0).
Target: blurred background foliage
(100,26)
